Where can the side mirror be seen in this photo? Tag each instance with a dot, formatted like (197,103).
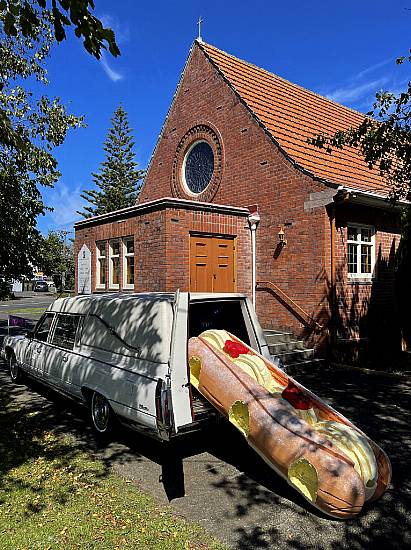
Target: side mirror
(30,334)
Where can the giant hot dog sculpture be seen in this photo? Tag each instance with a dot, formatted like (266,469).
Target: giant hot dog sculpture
(318,451)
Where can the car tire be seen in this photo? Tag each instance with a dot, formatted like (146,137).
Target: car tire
(16,374)
(102,415)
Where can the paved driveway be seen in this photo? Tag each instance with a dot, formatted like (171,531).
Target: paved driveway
(216,480)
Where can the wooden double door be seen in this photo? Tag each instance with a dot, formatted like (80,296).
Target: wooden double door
(212,264)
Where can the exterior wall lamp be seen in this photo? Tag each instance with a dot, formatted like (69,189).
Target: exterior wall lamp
(281,236)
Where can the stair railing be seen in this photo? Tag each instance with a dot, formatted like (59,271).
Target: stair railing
(298,310)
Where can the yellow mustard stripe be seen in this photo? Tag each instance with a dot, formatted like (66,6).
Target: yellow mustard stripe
(308,416)
(216,338)
(356,447)
(251,364)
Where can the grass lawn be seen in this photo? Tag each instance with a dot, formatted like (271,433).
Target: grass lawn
(55,496)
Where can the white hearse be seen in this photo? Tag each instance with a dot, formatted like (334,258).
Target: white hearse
(125,355)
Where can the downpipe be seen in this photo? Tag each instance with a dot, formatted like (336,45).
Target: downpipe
(253,221)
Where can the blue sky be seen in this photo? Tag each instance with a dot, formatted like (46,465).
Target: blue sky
(344,50)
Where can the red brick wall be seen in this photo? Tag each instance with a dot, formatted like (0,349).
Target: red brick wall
(368,309)
(253,171)
(149,242)
(162,245)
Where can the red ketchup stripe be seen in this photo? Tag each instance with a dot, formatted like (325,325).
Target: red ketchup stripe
(296,397)
(234,349)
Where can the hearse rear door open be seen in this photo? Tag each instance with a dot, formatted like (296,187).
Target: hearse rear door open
(180,381)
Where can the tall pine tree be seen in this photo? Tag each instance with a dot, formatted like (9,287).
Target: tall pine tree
(118,181)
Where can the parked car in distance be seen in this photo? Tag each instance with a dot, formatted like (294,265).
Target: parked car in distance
(40,286)
(125,355)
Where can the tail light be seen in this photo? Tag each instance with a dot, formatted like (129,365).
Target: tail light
(163,409)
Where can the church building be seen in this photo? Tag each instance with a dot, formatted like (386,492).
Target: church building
(236,200)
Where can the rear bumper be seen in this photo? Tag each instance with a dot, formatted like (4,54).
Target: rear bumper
(209,419)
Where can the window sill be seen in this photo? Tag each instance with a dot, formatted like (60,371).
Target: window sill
(361,281)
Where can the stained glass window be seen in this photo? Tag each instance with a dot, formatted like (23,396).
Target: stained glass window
(199,167)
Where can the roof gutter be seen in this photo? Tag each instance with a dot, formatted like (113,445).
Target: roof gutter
(162,204)
(367,198)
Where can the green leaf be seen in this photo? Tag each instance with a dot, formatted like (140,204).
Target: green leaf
(9,24)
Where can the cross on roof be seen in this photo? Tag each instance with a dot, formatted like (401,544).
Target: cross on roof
(200,20)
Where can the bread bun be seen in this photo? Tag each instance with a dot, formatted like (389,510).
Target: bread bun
(330,462)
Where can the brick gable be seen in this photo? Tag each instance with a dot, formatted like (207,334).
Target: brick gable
(291,114)
(253,171)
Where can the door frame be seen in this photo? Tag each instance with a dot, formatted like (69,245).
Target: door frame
(217,236)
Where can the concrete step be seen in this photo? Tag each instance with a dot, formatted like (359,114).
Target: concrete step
(286,346)
(277,337)
(291,352)
(296,356)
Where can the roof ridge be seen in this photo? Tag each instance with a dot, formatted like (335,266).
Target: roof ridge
(202,44)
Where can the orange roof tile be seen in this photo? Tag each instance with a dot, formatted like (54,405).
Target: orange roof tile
(291,114)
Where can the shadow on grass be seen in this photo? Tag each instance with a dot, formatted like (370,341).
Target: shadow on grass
(34,446)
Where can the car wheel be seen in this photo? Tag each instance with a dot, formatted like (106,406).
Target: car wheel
(102,415)
(16,374)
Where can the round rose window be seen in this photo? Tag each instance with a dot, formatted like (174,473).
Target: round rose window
(198,166)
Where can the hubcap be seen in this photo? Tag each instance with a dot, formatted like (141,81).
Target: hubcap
(14,369)
(101,412)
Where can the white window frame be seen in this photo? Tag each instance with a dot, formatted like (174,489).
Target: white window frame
(98,264)
(125,256)
(112,285)
(359,242)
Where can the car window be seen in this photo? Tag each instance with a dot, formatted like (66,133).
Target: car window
(43,327)
(65,331)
